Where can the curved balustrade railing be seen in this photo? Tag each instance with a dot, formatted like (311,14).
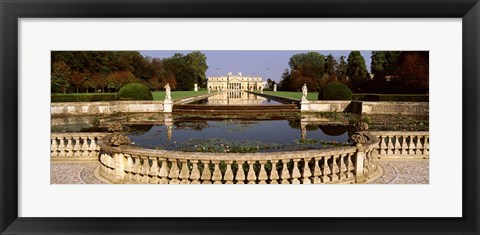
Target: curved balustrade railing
(75,146)
(128,164)
(402,144)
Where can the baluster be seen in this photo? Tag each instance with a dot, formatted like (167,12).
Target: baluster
(93,147)
(426,145)
(334,169)
(326,170)
(206,174)
(228,177)
(69,147)
(251,177)
(53,147)
(84,147)
(174,172)
(316,171)
(306,172)
(404,145)
(285,173)
(389,144)
(350,166)
(61,147)
(217,174)
(153,173)
(128,168)
(418,145)
(240,176)
(163,173)
(195,174)
(295,172)
(411,147)
(366,164)
(274,173)
(144,170)
(383,145)
(343,169)
(136,169)
(262,175)
(184,173)
(397,145)
(77,147)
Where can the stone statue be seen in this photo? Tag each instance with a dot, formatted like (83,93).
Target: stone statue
(168,92)
(261,89)
(304,92)
(274,87)
(208,89)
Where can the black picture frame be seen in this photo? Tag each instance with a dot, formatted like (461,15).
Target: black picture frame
(11,11)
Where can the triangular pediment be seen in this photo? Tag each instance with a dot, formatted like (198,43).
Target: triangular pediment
(235,80)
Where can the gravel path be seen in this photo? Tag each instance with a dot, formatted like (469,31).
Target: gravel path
(395,172)
(73,173)
(410,171)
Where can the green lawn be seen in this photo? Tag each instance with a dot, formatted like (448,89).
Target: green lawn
(293,95)
(160,95)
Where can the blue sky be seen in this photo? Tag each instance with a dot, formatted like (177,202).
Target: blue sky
(267,64)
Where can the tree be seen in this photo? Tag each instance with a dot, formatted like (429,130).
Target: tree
(330,65)
(116,80)
(100,81)
(78,78)
(414,71)
(198,63)
(61,77)
(384,63)
(284,84)
(306,68)
(356,69)
(341,70)
(154,83)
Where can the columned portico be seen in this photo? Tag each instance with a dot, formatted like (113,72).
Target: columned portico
(235,82)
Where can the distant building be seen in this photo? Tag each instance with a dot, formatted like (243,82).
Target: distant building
(235,82)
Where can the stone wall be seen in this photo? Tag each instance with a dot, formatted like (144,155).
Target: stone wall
(364,107)
(411,108)
(94,108)
(329,106)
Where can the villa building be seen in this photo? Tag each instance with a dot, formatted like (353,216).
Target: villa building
(235,82)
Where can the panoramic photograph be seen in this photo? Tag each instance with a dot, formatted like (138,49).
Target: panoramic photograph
(239,117)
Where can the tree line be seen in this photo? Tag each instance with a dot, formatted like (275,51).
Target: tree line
(107,71)
(391,72)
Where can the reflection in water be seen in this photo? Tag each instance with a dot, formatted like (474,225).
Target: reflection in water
(267,131)
(235,98)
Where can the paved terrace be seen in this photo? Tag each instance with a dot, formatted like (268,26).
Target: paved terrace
(395,171)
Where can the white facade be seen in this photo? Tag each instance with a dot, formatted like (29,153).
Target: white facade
(235,82)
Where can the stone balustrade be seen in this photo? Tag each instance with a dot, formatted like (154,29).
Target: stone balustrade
(75,146)
(131,165)
(401,144)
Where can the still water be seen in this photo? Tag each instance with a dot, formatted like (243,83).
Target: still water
(235,98)
(282,134)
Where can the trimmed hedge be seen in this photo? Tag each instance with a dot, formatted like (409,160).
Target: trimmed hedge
(134,91)
(83,97)
(392,97)
(335,91)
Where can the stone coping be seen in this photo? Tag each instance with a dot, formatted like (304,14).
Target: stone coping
(400,133)
(120,102)
(80,134)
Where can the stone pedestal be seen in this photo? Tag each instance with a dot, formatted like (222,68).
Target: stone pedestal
(195,88)
(167,106)
(304,105)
